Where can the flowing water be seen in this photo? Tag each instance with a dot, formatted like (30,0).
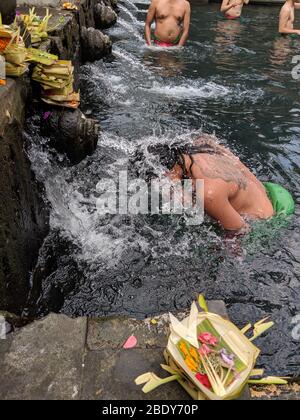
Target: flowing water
(234,80)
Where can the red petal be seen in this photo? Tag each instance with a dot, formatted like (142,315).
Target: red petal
(130,343)
(203,379)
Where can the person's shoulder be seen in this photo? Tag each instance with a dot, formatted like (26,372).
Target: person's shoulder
(187,4)
(285,8)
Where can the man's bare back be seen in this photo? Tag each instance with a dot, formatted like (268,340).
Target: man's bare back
(287,18)
(172,20)
(231,191)
(233,8)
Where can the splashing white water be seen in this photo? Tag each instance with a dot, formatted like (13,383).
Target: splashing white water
(132,5)
(131,16)
(196,89)
(129,29)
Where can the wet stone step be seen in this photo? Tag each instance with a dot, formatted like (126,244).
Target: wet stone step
(112,332)
(43,361)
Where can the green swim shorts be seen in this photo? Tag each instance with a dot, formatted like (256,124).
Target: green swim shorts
(294,36)
(282,200)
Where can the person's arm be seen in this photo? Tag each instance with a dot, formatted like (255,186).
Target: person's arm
(217,205)
(297,6)
(283,23)
(186,26)
(226,6)
(150,18)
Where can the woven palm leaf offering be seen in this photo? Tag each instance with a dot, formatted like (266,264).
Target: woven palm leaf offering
(56,81)
(41,57)
(13,70)
(37,27)
(210,357)
(6,33)
(15,51)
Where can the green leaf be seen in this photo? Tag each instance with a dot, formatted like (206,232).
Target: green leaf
(257,372)
(259,329)
(270,380)
(153,381)
(246,328)
(202,303)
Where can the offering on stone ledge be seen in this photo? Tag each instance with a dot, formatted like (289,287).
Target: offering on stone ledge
(210,357)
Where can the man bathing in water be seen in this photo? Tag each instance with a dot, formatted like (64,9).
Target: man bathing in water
(233,8)
(172,21)
(287,18)
(231,191)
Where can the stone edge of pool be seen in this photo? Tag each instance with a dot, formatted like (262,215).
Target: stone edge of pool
(25,211)
(61,358)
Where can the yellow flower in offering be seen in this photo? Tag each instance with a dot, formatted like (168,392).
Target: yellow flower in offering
(191,364)
(194,354)
(183,348)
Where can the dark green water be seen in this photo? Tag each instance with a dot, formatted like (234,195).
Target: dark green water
(233,79)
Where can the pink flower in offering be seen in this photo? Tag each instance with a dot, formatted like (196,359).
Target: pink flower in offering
(204,350)
(203,379)
(208,338)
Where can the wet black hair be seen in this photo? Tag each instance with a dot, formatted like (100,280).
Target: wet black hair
(170,154)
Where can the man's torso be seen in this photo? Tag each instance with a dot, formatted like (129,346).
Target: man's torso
(169,19)
(291,12)
(235,11)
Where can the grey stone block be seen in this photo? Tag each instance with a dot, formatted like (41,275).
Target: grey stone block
(110,375)
(43,361)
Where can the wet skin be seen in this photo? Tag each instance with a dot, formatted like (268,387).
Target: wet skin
(232,8)
(172,21)
(231,191)
(287,18)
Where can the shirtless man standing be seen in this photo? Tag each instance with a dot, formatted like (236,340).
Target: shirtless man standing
(287,18)
(172,20)
(233,8)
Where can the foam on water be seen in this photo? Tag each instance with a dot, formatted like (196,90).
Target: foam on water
(196,89)
(131,4)
(131,16)
(128,29)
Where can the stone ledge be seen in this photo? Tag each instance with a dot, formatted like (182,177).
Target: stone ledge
(43,361)
(112,332)
(110,375)
(50,360)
